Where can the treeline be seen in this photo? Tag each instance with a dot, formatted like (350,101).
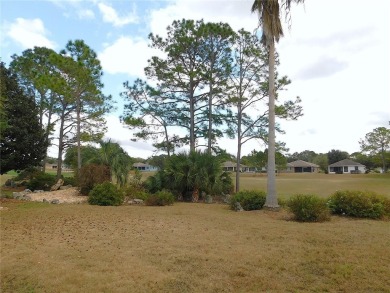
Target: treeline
(63,90)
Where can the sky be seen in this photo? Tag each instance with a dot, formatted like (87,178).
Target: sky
(336,54)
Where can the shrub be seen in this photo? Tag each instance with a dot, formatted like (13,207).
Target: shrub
(70,181)
(308,208)
(359,204)
(185,172)
(105,194)
(41,181)
(161,198)
(92,174)
(133,191)
(249,199)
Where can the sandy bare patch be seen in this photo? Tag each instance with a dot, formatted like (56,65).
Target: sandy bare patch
(71,195)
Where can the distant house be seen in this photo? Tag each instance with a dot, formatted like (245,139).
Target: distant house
(51,167)
(346,166)
(144,167)
(301,166)
(232,167)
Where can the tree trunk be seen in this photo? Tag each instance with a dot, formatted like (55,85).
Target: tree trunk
(78,136)
(60,146)
(238,145)
(271,200)
(210,120)
(192,118)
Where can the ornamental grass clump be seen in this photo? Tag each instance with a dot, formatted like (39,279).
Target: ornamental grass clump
(248,199)
(360,204)
(308,208)
(105,194)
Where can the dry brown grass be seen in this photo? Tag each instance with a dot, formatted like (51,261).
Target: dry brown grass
(187,248)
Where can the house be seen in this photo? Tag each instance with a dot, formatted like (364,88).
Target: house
(144,167)
(232,167)
(301,166)
(346,166)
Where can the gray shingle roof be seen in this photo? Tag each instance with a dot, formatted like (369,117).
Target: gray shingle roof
(345,162)
(301,163)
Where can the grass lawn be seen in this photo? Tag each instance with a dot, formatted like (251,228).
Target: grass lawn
(187,248)
(320,184)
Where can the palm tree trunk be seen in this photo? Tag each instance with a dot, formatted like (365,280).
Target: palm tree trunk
(271,200)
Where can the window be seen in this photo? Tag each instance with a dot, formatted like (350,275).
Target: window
(345,169)
(356,168)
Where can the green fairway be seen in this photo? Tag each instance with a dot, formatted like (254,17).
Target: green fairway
(320,184)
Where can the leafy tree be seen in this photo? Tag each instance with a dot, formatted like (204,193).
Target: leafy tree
(88,154)
(157,161)
(84,87)
(322,161)
(336,155)
(151,111)
(218,39)
(257,159)
(22,142)
(269,19)
(249,90)
(193,75)
(34,71)
(377,142)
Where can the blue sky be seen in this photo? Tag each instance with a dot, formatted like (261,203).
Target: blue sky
(337,59)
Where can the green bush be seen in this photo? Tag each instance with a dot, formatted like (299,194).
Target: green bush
(132,191)
(185,172)
(161,198)
(361,204)
(309,208)
(41,181)
(92,174)
(70,181)
(249,199)
(105,194)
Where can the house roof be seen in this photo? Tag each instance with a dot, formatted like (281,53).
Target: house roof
(140,165)
(301,163)
(230,164)
(345,162)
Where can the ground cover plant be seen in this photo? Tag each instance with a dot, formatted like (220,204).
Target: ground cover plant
(187,247)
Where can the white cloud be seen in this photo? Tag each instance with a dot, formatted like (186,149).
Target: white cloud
(86,14)
(236,13)
(111,16)
(127,55)
(29,33)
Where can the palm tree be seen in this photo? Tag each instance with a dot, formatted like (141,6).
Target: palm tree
(112,155)
(269,20)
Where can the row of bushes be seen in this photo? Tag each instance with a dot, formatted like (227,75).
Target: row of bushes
(108,194)
(312,208)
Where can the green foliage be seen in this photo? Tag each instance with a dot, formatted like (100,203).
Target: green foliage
(70,181)
(160,198)
(308,208)
(249,199)
(22,143)
(187,172)
(92,174)
(336,155)
(361,204)
(377,142)
(41,181)
(105,194)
